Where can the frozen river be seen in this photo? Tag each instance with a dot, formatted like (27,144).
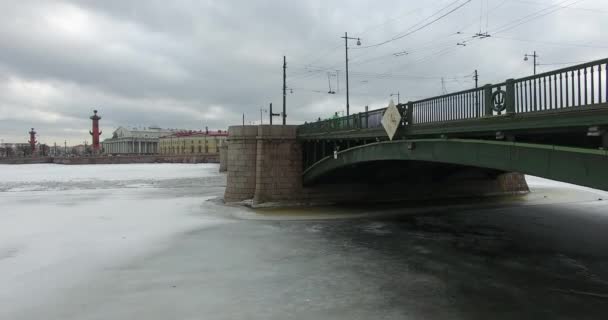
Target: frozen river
(151,241)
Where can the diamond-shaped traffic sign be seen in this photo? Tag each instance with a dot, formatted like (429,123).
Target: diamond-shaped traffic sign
(391,120)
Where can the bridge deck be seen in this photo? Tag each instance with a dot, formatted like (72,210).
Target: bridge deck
(574,97)
(549,121)
(563,108)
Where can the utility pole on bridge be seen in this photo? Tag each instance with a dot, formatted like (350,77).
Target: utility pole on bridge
(534,55)
(273,114)
(476,77)
(398,97)
(284,88)
(346,38)
(262,110)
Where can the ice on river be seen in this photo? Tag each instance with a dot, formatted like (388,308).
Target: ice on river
(141,241)
(47,177)
(60,224)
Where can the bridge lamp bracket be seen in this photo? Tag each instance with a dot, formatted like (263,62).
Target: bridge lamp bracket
(595,131)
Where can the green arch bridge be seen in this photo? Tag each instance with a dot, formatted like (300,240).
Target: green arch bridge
(552,125)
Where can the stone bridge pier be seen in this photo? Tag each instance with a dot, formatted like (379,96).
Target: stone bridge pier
(265,166)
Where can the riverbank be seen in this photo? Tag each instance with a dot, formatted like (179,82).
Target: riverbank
(202,158)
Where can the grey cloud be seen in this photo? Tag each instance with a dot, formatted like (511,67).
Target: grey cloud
(195,63)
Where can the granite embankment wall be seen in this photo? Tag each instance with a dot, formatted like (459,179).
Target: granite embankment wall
(203,158)
(26,160)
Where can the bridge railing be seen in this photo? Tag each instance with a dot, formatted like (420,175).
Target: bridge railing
(576,86)
(583,85)
(454,106)
(363,120)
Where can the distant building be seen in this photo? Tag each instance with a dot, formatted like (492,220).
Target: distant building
(192,142)
(79,150)
(134,141)
(10,149)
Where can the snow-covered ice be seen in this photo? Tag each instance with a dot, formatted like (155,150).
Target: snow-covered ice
(142,242)
(60,224)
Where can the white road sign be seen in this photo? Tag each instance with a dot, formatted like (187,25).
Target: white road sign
(391,120)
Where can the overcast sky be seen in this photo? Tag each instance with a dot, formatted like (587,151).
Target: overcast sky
(191,64)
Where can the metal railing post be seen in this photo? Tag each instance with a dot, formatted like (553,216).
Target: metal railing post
(410,113)
(487,94)
(510,98)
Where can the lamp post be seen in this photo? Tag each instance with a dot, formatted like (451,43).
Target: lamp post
(346,38)
(398,97)
(534,56)
(262,110)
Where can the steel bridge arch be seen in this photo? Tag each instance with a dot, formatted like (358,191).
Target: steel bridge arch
(585,167)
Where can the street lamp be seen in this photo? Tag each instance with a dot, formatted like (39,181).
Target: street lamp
(398,97)
(262,111)
(534,55)
(346,38)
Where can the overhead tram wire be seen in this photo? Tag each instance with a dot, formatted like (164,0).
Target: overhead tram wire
(390,75)
(412,50)
(592,10)
(526,19)
(560,63)
(538,14)
(395,38)
(535,15)
(367,77)
(409,31)
(519,21)
(433,47)
(447,50)
(480,14)
(444,50)
(419,49)
(410,28)
(327,52)
(560,44)
(487,15)
(447,45)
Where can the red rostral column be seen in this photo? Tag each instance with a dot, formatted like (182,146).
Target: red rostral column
(95,133)
(33,140)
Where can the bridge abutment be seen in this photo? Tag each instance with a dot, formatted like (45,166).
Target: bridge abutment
(278,165)
(264,164)
(241,163)
(224,158)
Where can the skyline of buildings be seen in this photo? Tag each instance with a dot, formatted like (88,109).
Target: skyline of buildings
(68,144)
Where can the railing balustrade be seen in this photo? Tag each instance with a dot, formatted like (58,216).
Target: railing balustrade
(583,85)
